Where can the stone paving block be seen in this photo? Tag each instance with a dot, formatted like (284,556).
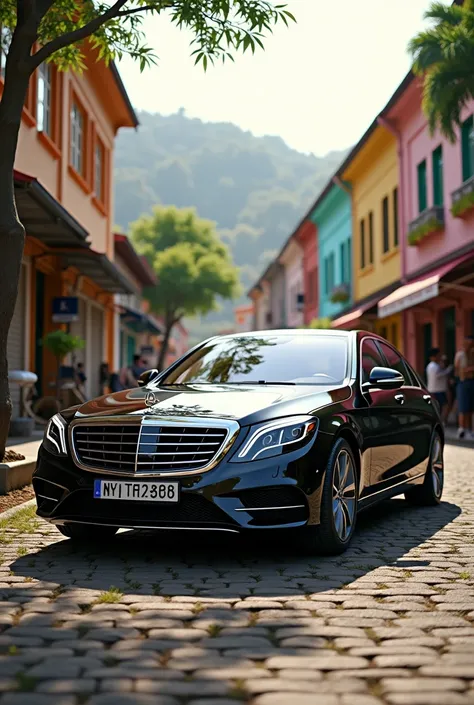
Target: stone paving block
(40,699)
(422,684)
(296,698)
(183,689)
(431,698)
(77,686)
(123,699)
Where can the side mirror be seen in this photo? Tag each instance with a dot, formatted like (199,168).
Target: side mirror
(147,377)
(384,378)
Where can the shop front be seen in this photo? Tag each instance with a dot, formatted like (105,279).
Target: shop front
(438,308)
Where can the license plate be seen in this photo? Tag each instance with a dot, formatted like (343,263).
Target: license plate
(137,491)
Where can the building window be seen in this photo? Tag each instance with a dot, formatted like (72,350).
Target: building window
(331,272)
(5,41)
(467,146)
(77,139)
(395,217)
(385,225)
(99,171)
(345,257)
(438,176)
(44,113)
(362,243)
(371,237)
(422,202)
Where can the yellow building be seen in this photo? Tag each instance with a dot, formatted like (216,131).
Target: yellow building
(372,173)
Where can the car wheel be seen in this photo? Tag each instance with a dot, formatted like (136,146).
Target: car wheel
(86,532)
(430,492)
(338,512)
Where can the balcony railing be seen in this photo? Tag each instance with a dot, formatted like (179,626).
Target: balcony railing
(340,294)
(428,222)
(462,199)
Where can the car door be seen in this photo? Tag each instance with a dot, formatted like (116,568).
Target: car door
(387,435)
(419,415)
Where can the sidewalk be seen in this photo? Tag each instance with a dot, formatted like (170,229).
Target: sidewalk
(18,474)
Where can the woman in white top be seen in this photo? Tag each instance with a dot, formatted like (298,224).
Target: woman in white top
(437,378)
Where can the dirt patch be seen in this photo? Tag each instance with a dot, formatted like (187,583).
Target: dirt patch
(15,497)
(12,456)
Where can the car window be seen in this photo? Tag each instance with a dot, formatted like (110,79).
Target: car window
(414,378)
(394,360)
(299,359)
(371,358)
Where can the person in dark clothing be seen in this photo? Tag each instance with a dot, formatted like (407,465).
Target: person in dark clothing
(137,367)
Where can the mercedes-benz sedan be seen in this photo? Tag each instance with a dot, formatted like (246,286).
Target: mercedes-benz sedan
(293,429)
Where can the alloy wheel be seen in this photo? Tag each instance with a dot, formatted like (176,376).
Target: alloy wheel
(437,467)
(343,496)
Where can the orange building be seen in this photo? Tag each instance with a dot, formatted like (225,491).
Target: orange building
(64,193)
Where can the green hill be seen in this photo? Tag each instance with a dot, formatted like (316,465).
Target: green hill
(255,188)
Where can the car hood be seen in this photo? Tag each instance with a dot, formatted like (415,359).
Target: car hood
(243,403)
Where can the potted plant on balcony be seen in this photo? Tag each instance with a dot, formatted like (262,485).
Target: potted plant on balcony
(320,323)
(421,231)
(463,205)
(340,294)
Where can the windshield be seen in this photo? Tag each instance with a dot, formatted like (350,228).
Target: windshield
(266,359)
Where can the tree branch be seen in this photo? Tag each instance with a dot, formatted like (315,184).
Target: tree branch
(76,35)
(144,8)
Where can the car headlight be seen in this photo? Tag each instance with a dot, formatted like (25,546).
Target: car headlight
(55,436)
(276,437)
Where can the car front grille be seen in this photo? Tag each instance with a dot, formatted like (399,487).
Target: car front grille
(192,510)
(147,448)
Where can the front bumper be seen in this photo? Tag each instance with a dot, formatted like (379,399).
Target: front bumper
(280,492)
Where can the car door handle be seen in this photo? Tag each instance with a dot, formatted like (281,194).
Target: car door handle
(400,398)
(427,398)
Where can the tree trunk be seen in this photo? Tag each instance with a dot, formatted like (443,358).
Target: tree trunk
(12,234)
(169,323)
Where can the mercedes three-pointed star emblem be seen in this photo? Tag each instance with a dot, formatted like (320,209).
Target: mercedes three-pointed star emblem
(150,399)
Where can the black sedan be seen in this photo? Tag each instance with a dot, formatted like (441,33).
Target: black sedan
(295,429)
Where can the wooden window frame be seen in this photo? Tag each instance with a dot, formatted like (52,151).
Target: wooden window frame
(437,173)
(82,180)
(396,234)
(385,225)
(371,238)
(467,156)
(362,243)
(52,142)
(100,200)
(422,188)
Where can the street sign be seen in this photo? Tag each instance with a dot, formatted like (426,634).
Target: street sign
(65,309)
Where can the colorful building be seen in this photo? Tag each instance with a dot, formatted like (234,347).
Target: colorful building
(306,235)
(371,169)
(63,188)
(437,221)
(332,216)
(291,257)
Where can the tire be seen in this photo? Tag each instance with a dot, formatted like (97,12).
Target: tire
(338,511)
(87,532)
(429,494)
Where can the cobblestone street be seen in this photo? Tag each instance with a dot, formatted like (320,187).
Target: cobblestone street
(148,621)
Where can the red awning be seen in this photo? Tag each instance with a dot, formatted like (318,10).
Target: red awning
(419,290)
(350,318)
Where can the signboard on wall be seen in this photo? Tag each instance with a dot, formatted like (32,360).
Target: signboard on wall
(65,309)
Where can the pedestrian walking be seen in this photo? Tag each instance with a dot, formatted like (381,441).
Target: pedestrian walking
(464,365)
(437,380)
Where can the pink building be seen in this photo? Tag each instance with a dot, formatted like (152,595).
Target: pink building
(291,258)
(307,237)
(436,212)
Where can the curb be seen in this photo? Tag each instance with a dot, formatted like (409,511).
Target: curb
(15,475)
(13,510)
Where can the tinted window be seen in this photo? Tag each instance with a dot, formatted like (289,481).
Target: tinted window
(394,360)
(371,358)
(414,378)
(281,358)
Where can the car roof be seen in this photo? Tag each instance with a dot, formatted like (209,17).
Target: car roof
(303,332)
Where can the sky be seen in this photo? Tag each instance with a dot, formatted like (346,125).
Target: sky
(318,84)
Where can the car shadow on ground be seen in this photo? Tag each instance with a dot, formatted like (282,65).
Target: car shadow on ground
(224,566)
